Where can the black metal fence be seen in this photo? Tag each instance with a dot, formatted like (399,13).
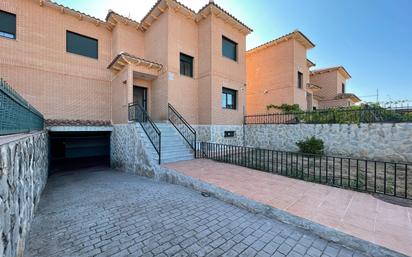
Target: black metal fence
(139,114)
(339,116)
(183,127)
(16,114)
(387,178)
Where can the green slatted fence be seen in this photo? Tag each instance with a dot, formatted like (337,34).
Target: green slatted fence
(16,114)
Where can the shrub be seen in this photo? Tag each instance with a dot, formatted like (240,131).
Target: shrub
(311,145)
(285,107)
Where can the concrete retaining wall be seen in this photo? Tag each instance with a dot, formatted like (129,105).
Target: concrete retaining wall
(23,175)
(388,142)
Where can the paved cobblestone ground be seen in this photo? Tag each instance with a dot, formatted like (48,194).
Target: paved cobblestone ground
(108,213)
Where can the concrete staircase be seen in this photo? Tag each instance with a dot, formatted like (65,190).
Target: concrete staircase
(174,147)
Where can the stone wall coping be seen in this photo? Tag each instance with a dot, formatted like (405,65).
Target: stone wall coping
(392,124)
(79,128)
(16,137)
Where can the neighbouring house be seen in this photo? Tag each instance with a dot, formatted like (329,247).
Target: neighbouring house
(72,66)
(333,93)
(278,73)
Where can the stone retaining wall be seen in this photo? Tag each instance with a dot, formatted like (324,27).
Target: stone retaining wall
(128,153)
(215,134)
(387,142)
(23,175)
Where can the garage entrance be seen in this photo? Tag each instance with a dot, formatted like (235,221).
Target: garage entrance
(79,150)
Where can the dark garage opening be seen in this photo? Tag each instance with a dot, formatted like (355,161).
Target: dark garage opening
(78,150)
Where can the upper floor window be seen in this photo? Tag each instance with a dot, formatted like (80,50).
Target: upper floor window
(186,65)
(343,88)
(7,25)
(300,80)
(229,48)
(82,45)
(229,98)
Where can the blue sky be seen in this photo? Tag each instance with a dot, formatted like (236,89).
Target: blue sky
(371,38)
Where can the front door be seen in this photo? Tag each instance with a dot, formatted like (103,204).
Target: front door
(140,96)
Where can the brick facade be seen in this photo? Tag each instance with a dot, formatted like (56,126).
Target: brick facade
(272,73)
(66,86)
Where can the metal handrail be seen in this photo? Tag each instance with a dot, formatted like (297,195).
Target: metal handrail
(149,127)
(191,132)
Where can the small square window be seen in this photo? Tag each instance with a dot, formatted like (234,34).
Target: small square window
(186,65)
(82,45)
(229,48)
(229,100)
(7,25)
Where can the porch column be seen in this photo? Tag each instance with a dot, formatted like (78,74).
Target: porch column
(129,84)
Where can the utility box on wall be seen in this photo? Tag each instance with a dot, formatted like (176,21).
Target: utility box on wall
(230,133)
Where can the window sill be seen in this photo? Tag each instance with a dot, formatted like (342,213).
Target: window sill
(229,109)
(186,76)
(79,55)
(230,59)
(14,39)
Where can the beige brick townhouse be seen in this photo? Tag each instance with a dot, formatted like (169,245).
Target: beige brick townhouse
(278,72)
(332,82)
(72,66)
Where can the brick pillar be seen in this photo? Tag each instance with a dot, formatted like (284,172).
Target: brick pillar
(129,84)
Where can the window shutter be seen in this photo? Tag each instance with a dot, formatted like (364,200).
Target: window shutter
(8,23)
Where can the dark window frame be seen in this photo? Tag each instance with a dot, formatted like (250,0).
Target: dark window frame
(94,55)
(343,88)
(10,33)
(186,65)
(300,80)
(235,45)
(225,93)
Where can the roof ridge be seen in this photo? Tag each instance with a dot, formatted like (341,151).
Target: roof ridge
(110,12)
(340,67)
(226,12)
(73,10)
(294,32)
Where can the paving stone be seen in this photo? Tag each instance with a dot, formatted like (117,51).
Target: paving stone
(284,248)
(331,251)
(294,254)
(314,252)
(249,252)
(345,253)
(301,249)
(109,213)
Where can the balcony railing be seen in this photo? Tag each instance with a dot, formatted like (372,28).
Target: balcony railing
(16,114)
(138,114)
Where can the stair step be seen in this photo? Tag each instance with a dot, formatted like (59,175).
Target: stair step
(177,154)
(174,147)
(176,159)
